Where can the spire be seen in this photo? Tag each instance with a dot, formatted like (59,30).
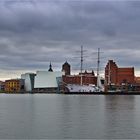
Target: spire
(50,68)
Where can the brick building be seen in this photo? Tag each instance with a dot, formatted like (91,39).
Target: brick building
(87,78)
(118,76)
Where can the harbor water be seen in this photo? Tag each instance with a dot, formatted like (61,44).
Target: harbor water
(42,116)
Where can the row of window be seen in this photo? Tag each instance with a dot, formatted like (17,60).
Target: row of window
(12,83)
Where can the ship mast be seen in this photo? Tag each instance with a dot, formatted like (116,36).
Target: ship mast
(98,69)
(81,65)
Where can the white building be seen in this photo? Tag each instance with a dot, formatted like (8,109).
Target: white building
(42,81)
(29,81)
(47,79)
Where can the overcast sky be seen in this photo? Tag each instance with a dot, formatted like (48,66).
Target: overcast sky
(35,32)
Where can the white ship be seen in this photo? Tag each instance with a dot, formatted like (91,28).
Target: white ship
(81,88)
(87,88)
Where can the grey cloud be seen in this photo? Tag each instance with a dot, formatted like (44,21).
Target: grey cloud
(33,33)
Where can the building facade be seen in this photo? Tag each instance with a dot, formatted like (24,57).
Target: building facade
(46,81)
(14,85)
(118,76)
(87,78)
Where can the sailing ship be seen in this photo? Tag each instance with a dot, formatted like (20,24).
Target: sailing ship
(87,88)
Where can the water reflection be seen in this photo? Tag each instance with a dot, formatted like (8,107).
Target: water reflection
(80,118)
(71,117)
(119,117)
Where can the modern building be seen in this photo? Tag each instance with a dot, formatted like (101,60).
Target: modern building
(29,81)
(66,68)
(14,85)
(46,81)
(117,76)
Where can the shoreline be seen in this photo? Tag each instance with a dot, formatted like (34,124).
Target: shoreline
(102,93)
(77,93)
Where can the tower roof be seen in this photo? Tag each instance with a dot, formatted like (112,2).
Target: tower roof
(66,63)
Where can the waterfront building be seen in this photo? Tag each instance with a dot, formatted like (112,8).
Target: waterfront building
(66,68)
(87,78)
(137,84)
(14,85)
(117,76)
(29,81)
(46,81)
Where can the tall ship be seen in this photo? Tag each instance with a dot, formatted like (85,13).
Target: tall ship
(87,87)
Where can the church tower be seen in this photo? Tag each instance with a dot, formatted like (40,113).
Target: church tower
(66,68)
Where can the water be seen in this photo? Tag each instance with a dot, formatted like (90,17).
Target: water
(69,116)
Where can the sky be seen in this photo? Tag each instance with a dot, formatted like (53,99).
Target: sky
(34,33)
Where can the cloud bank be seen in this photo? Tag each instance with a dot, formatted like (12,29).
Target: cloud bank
(33,33)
